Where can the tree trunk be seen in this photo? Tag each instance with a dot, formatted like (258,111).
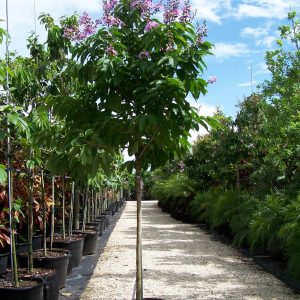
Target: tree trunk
(52,213)
(44,214)
(88,204)
(85,201)
(63,209)
(71,210)
(30,221)
(76,209)
(12,221)
(139,265)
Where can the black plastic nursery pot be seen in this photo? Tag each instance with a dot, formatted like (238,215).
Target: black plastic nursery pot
(113,209)
(37,242)
(102,219)
(102,227)
(25,291)
(107,215)
(51,289)
(116,206)
(75,246)
(3,262)
(90,241)
(57,259)
(96,224)
(20,248)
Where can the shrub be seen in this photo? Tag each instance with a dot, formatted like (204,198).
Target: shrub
(201,206)
(174,193)
(266,223)
(290,235)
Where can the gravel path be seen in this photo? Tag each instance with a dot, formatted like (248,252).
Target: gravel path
(180,261)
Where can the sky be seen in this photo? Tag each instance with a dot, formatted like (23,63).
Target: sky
(241,31)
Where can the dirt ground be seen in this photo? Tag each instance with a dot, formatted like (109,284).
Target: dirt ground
(180,261)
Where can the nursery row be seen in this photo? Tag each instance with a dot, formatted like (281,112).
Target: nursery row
(53,263)
(269,226)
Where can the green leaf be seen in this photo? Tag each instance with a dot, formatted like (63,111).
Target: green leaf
(143,121)
(86,155)
(3,174)
(13,118)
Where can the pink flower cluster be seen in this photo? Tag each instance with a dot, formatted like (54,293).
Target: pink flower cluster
(108,18)
(144,55)
(111,21)
(201,31)
(111,51)
(212,79)
(147,7)
(187,15)
(151,25)
(172,11)
(109,5)
(175,12)
(86,27)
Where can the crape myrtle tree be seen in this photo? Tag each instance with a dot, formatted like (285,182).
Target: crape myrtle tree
(131,80)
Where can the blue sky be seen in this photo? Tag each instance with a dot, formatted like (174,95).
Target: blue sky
(242,31)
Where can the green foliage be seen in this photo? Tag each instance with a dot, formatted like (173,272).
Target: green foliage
(240,220)
(201,206)
(176,186)
(290,234)
(3,174)
(148,113)
(266,223)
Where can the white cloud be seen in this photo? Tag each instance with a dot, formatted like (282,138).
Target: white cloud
(267,41)
(263,35)
(225,50)
(261,69)
(271,9)
(212,10)
(255,32)
(217,10)
(204,110)
(248,84)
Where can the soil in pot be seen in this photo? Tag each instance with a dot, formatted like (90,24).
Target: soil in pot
(57,259)
(90,241)
(72,243)
(30,289)
(51,289)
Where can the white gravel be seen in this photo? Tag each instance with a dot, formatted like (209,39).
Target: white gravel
(180,262)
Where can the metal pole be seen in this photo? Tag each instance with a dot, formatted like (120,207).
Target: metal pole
(34,12)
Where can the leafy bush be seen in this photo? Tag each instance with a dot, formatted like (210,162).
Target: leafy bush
(266,223)
(246,205)
(201,206)
(290,235)
(174,194)
(230,210)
